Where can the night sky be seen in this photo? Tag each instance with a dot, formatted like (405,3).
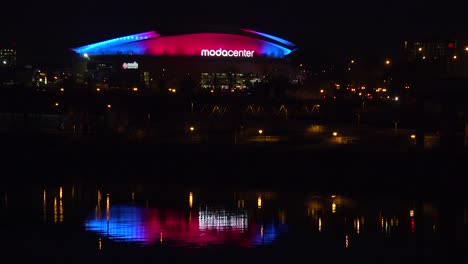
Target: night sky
(323,30)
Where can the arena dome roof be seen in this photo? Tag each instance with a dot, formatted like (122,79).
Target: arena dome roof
(243,43)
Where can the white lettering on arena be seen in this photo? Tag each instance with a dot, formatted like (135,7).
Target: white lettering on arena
(226,53)
(130,65)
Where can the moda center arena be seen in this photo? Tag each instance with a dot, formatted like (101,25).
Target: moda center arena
(206,61)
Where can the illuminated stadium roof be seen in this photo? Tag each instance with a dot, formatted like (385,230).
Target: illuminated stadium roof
(244,43)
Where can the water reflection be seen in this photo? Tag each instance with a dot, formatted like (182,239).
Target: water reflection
(203,227)
(149,218)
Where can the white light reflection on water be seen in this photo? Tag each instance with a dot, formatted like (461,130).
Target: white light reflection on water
(223,220)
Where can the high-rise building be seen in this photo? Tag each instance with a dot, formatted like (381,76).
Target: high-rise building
(8,55)
(7,64)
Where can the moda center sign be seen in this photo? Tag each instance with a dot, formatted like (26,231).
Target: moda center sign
(226,53)
(130,65)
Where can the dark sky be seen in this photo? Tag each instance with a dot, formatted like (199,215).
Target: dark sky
(323,30)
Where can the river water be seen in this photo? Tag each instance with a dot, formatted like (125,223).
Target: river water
(108,222)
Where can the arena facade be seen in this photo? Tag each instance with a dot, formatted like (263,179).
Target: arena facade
(211,61)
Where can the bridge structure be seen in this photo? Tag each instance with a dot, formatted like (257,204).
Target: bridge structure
(283,110)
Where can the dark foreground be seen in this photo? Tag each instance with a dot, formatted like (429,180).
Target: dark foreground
(116,222)
(391,207)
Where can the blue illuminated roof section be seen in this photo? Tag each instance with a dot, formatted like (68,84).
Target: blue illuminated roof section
(103,45)
(278,39)
(271,50)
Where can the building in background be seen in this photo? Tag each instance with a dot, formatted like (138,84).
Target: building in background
(8,57)
(430,50)
(446,58)
(7,64)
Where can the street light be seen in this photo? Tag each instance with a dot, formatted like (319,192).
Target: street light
(260,132)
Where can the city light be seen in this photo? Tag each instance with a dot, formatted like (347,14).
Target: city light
(190,199)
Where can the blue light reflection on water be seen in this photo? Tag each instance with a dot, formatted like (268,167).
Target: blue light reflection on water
(124,223)
(269,233)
